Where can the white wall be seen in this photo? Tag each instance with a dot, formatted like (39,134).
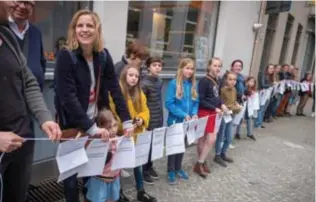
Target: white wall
(235,37)
(113,16)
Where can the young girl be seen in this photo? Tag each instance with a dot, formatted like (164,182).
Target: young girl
(250,90)
(106,187)
(304,95)
(210,104)
(277,96)
(151,86)
(229,97)
(137,106)
(294,93)
(182,104)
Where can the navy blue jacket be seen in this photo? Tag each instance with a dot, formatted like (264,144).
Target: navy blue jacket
(209,94)
(35,59)
(73,89)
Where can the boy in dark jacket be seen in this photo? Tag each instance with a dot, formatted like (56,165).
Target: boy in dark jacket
(134,55)
(152,85)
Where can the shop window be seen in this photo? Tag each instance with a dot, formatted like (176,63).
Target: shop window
(173,29)
(52,19)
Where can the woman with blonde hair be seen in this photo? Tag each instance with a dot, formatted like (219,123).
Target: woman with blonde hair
(84,76)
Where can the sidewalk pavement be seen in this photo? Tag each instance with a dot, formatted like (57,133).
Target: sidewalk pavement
(278,167)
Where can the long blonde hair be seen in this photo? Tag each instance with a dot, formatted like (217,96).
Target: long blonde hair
(72,42)
(179,79)
(135,92)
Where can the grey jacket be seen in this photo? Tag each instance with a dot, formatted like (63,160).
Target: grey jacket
(31,90)
(152,87)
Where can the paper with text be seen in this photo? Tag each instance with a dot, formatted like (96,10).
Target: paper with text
(175,139)
(97,152)
(71,154)
(158,143)
(125,154)
(238,117)
(200,127)
(191,131)
(142,148)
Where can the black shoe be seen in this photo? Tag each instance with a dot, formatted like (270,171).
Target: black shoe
(147,178)
(220,161)
(144,197)
(252,137)
(263,127)
(237,136)
(227,159)
(153,174)
(274,117)
(123,198)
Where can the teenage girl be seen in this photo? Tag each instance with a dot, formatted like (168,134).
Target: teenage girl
(137,106)
(182,104)
(266,82)
(106,187)
(210,105)
(251,85)
(229,97)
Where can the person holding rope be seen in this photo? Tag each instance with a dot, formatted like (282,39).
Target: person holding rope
(84,76)
(21,97)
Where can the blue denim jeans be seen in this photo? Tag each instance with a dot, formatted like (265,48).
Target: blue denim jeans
(225,135)
(259,120)
(175,162)
(138,175)
(270,107)
(249,126)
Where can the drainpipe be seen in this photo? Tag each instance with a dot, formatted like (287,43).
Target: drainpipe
(261,14)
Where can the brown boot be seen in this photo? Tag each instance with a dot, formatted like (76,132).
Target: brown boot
(205,168)
(198,168)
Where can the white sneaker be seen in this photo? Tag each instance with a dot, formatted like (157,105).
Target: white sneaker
(313,114)
(231,146)
(125,174)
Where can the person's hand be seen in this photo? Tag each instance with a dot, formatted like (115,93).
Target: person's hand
(218,111)
(195,117)
(224,108)
(10,141)
(139,122)
(187,118)
(52,130)
(129,132)
(103,134)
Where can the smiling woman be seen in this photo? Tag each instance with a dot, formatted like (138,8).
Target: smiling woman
(92,79)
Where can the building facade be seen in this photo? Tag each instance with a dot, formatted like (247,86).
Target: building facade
(257,32)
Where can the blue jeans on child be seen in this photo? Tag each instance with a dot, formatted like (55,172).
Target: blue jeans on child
(175,162)
(138,178)
(224,134)
(259,120)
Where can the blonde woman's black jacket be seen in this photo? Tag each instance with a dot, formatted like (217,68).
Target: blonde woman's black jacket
(73,89)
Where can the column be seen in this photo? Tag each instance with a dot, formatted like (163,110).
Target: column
(113,15)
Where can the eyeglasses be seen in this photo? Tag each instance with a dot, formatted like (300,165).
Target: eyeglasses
(27,4)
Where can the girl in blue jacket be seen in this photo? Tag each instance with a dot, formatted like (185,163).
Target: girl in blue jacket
(182,104)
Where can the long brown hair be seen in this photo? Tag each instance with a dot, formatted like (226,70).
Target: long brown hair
(72,42)
(270,77)
(131,92)
(179,79)
(255,82)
